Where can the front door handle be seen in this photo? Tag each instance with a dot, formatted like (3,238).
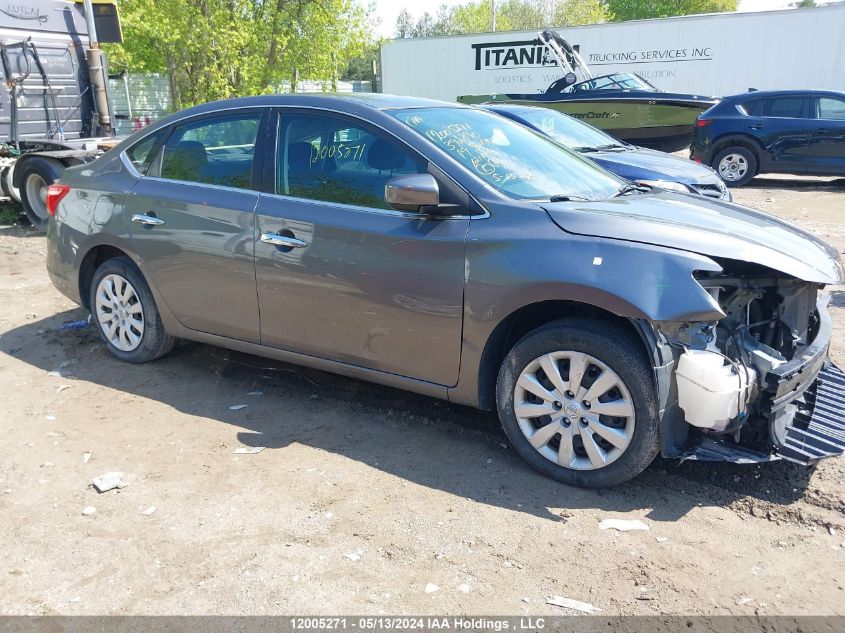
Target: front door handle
(756,127)
(276,239)
(147,219)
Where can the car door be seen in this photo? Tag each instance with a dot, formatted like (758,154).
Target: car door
(341,275)
(784,130)
(191,220)
(827,143)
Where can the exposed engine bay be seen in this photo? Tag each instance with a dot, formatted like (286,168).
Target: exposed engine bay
(748,383)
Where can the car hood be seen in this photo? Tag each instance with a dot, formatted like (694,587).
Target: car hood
(648,164)
(708,227)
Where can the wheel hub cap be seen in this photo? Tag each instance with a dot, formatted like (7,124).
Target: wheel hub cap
(119,313)
(733,167)
(594,426)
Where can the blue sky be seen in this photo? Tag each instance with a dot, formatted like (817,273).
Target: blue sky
(387,10)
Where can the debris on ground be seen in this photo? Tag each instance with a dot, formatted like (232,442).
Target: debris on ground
(86,457)
(237,407)
(660,539)
(354,556)
(623,525)
(88,510)
(61,388)
(575,605)
(463,588)
(431,588)
(109,481)
(73,325)
(249,450)
(149,511)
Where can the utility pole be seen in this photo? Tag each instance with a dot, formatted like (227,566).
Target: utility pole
(492,15)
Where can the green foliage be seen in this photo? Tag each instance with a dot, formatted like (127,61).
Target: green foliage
(639,9)
(216,49)
(511,15)
(516,15)
(804,4)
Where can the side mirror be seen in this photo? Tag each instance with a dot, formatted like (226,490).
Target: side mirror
(411,192)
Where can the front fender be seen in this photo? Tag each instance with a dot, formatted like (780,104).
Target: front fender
(514,262)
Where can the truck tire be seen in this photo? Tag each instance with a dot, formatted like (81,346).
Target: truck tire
(577,401)
(6,183)
(36,174)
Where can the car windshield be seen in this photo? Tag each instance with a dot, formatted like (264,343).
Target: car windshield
(508,156)
(616,81)
(565,129)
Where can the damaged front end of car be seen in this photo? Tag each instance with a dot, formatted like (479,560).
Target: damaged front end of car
(757,384)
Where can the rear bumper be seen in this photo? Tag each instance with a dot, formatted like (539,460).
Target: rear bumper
(61,272)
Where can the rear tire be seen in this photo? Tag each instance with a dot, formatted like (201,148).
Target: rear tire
(735,165)
(593,431)
(125,315)
(36,174)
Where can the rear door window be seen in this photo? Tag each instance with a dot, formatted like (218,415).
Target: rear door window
(214,151)
(831,108)
(142,154)
(784,107)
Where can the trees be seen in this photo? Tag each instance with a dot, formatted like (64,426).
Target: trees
(638,9)
(215,49)
(474,16)
(511,15)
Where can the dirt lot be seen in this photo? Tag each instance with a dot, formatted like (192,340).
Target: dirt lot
(365,497)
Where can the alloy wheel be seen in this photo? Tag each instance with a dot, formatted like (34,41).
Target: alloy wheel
(119,313)
(733,167)
(574,410)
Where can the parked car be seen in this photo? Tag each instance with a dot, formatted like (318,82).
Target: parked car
(785,131)
(633,163)
(449,251)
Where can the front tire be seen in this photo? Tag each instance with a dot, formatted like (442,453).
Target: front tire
(735,165)
(577,401)
(36,175)
(125,314)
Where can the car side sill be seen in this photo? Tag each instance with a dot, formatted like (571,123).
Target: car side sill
(335,367)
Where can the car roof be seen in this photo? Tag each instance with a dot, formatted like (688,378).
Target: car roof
(376,101)
(518,108)
(761,94)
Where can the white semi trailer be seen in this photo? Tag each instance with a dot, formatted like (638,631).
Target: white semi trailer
(716,54)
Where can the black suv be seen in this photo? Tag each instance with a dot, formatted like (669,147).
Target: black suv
(784,131)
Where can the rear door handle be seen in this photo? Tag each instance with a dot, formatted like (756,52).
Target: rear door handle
(756,127)
(147,219)
(277,239)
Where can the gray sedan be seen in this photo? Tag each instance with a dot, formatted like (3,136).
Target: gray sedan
(452,252)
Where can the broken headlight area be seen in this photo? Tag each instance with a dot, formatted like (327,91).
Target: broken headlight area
(756,383)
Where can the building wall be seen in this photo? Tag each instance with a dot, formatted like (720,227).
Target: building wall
(717,54)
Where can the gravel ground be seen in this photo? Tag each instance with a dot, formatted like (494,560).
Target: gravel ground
(366,499)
